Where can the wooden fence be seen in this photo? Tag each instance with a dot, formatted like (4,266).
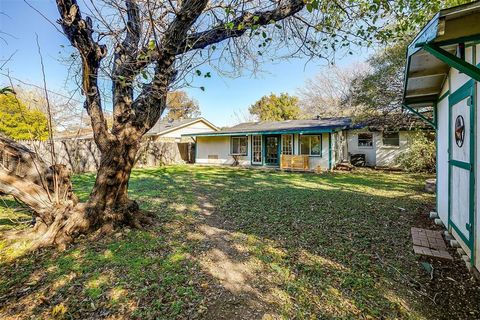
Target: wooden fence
(82,155)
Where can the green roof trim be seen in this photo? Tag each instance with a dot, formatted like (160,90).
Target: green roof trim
(226,134)
(421,116)
(453,61)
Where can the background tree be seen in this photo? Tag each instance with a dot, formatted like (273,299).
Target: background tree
(276,108)
(19,122)
(380,90)
(146,48)
(181,106)
(328,94)
(67,114)
(377,93)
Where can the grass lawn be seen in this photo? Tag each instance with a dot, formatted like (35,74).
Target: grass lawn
(244,244)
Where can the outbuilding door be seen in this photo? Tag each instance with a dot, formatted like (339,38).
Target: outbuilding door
(461,160)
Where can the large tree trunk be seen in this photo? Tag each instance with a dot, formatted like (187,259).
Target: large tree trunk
(109,202)
(47,191)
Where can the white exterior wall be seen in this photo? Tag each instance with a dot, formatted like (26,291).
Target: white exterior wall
(220,147)
(386,156)
(442,157)
(369,152)
(197,127)
(379,154)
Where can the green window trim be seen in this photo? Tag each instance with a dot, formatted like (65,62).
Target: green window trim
(310,145)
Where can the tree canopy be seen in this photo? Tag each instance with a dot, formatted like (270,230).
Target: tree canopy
(181,106)
(276,108)
(19,122)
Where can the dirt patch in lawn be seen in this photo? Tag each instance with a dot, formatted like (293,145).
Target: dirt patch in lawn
(236,296)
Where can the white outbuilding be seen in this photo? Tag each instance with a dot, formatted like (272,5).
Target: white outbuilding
(442,87)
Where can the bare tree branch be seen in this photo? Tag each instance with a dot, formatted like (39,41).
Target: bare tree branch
(239,26)
(79,33)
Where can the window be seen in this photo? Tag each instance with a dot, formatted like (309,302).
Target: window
(311,145)
(365,140)
(239,146)
(287,144)
(391,139)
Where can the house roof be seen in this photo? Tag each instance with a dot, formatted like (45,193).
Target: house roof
(165,125)
(279,127)
(391,122)
(433,52)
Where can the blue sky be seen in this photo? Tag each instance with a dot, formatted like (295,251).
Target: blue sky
(222,98)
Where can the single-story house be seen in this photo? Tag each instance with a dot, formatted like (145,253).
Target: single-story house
(442,75)
(168,129)
(312,144)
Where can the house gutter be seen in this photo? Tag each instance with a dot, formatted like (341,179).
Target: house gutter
(220,134)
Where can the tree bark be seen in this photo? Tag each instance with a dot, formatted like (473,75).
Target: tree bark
(47,191)
(109,202)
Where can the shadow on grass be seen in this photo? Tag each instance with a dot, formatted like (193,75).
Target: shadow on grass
(239,244)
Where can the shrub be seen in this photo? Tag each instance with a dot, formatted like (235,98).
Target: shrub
(421,155)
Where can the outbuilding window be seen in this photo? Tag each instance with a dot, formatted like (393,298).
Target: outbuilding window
(365,140)
(391,139)
(239,146)
(311,145)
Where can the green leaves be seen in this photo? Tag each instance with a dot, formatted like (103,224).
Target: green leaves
(151,45)
(19,122)
(275,108)
(312,5)
(229,25)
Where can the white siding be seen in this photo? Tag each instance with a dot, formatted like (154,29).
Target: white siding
(386,156)
(455,80)
(458,78)
(197,127)
(378,155)
(442,159)
(217,147)
(353,148)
